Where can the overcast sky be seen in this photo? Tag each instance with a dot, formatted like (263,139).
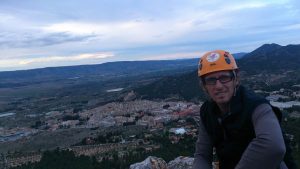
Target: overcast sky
(47,33)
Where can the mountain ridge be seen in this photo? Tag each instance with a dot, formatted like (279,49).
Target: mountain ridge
(104,69)
(271,57)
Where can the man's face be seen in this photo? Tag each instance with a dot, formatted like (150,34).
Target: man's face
(220,86)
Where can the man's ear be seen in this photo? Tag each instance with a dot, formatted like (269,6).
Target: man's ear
(202,85)
(203,88)
(238,81)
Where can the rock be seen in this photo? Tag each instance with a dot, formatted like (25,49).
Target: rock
(181,163)
(158,163)
(150,163)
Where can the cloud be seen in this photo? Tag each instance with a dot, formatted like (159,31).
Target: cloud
(292,27)
(139,29)
(174,56)
(37,39)
(132,33)
(5,18)
(14,62)
(138,26)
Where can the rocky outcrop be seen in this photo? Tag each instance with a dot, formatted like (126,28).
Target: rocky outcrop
(158,163)
(181,163)
(150,163)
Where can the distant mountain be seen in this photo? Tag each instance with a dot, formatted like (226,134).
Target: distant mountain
(239,55)
(266,60)
(264,49)
(99,71)
(271,57)
(110,68)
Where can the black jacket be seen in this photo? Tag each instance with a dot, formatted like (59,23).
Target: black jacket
(232,132)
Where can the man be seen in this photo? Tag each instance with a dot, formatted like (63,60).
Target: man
(241,126)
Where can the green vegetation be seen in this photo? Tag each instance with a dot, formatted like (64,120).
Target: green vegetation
(292,126)
(183,87)
(65,159)
(62,159)
(293,108)
(109,137)
(122,163)
(169,151)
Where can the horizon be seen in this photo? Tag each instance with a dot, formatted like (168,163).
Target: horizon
(91,64)
(58,34)
(156,59)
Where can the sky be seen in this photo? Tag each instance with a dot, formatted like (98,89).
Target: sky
(50,33)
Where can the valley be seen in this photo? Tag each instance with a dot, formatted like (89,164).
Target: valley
(130,114)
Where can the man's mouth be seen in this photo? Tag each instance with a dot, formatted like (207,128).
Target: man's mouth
(220,93)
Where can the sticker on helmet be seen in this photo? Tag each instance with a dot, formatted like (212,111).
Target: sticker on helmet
(228,61)
(212,57)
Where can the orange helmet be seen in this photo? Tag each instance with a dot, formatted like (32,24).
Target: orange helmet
(216,61)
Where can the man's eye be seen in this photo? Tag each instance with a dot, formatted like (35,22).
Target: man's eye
(211,80)
(224,78)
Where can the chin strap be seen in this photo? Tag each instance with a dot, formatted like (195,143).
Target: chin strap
(237,84)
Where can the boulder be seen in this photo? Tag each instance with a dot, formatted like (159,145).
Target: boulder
(150,163)
(181,163)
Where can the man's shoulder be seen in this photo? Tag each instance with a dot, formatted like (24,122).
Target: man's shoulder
(251,99)
(251,95)
(206,105)
(265,108)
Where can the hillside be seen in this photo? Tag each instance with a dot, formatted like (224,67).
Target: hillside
(271,58)
(182,87)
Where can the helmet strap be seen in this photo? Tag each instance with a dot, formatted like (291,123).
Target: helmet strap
(237,84)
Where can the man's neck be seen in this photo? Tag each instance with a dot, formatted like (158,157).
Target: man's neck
(224,107)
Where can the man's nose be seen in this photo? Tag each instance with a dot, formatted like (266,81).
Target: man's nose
(218,84)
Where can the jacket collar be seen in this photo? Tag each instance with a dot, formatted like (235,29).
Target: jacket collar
(236,104)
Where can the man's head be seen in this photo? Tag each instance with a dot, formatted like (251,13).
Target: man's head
(218,73)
